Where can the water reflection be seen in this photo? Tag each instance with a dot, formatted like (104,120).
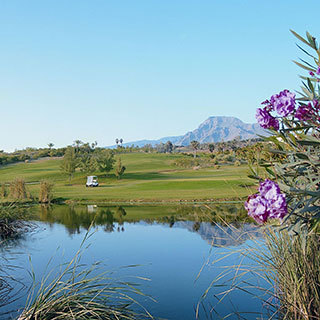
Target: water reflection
(169,243)
(219,225)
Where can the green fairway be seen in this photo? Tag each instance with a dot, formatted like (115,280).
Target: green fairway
(149,177)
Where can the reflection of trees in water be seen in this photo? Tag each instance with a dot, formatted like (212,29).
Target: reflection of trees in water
(113,218)
(75,218)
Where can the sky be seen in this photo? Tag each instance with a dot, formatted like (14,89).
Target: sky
(97,70)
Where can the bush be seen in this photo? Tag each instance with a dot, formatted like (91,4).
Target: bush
(18,190)
(237,163)
(45,194)
(293,259)
(186,162)
(13,221)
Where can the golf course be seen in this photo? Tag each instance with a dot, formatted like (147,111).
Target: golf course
(149,177)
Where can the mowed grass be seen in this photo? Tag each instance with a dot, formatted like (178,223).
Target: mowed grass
(148,177)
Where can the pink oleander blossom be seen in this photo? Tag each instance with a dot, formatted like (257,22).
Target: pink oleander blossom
(305,112)
(269,204)
(266,120)
(283,102)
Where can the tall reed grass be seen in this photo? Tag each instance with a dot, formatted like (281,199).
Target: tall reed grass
(293,267)
(13,221)
(18,190)
(279,270)
(45,193)
(80,292)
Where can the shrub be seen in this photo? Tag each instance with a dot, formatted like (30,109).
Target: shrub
(293,259)
(13,221)
(186,162)
(18,190)
(237,163)
(120,169)
(45,194)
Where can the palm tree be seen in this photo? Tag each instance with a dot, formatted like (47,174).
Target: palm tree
(117,141)
(121,140)
(77,144)
(50,145)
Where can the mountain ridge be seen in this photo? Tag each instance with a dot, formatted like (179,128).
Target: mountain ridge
(213,129)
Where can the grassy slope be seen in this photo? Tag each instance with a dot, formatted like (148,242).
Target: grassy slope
(148,177)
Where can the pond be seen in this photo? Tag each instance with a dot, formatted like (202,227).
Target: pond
(177,248)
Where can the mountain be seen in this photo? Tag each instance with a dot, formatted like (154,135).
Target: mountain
(214,129)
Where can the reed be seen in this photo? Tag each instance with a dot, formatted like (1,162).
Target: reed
(46,194)
(79,292)
(293,266)
(13,221)
(279,270)
(18,190)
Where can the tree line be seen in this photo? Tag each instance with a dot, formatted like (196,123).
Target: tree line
(89,159)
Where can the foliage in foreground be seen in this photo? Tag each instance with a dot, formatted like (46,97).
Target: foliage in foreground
(292,263)
(78,292)
(13,221)
(294,270)
(295,134)
(279,273)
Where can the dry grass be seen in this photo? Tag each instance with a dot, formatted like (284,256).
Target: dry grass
(45,193)
(78,292)
(18,190)
(13,221)
(282,272)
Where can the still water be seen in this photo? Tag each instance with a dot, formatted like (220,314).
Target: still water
(176,248)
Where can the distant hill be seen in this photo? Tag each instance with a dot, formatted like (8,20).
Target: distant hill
(141,143)
(214,129)
(217,129)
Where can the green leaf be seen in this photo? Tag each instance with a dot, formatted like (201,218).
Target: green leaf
(306,52)
(310,85)
(312,40)
(304,67)
(301,38)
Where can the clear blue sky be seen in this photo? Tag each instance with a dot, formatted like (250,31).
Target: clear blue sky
(99,69)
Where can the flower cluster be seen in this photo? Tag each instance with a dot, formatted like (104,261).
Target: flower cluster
(266,120)
(308,112)
(284,104)
(269,204)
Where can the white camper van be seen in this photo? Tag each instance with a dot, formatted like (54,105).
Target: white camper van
(92,181)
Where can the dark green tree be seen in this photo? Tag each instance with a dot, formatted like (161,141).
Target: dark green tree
(120,169)
(69,162)
(105,160)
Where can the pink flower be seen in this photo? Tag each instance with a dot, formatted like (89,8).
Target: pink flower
(266,120)
(269,204)
(284,102)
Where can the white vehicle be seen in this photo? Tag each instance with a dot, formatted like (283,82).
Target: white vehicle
(92,181)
